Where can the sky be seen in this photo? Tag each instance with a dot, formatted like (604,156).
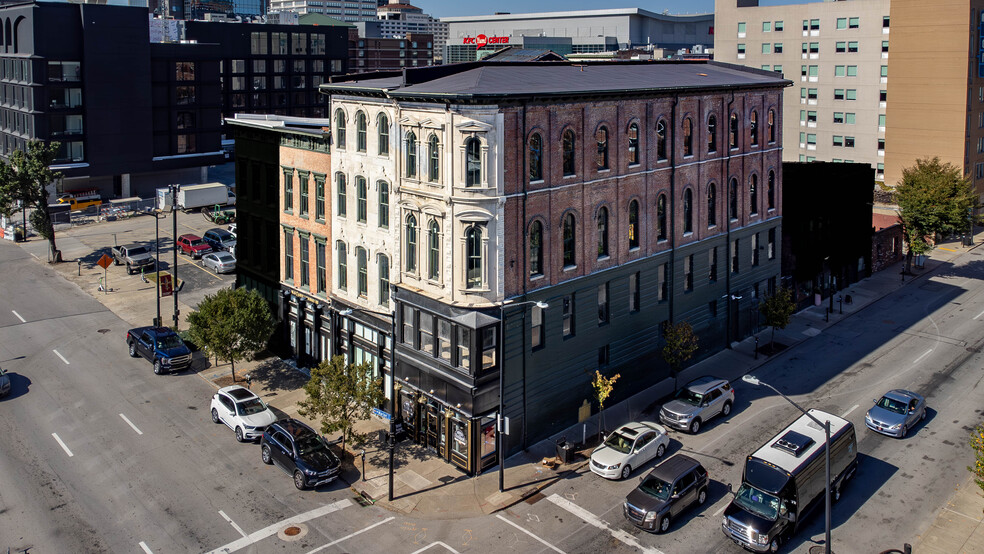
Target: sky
(450,8)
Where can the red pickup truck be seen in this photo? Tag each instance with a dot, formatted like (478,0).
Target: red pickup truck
(193,245)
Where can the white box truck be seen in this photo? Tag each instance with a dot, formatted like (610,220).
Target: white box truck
(193,197)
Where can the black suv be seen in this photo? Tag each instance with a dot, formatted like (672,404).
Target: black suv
(669,489)
(299,451)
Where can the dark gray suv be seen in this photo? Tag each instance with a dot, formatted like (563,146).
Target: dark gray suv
(669,489)
(300,452)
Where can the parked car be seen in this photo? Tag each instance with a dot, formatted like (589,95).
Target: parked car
(193,245)
(4,383)
(698,402)
(220,262)
(232,229)
(160,345)
(136,257)
(220,239)
(297,450)
(242,411)
(632,445)
(896,412)
(669,489)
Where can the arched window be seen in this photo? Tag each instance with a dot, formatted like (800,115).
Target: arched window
(569,258)
(411,243)
(601,159)
(568,152)
(688,137)
(383,129)
(711,205)
(733,199)
(634,224)
(473,256)
(688,211)
(772,126)
(384,279)
(753,128)
(473,163)
(362,262)
(361,199)
(753,195)
(434,251)
(361,131)
(339,128)
(661,217)
(633,144)
(771,191)
(434,159)
(602,232)
(411,149)
(536,157)
(536,249)
(342,266)
(712,133)
(661,140)
(733,131)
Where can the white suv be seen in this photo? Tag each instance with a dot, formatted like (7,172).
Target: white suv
(242,411)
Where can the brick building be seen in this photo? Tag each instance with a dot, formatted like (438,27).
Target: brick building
(886,241)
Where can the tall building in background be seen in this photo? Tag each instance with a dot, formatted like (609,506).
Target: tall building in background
(350,10)
(397,18)
(836,54)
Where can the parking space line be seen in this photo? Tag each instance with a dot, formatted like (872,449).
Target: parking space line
(130,423)
(517,526)
(233,523)
(350,535)
(433,544)
(845,414)
(272,529)
(19,316)
(65,448)
(62,357)
(145,548)
(593,520)
(721,509)
(979,315)
(924,354)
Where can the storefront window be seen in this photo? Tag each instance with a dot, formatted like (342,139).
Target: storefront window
(488,347)
(488,437)
(464,350)
(459,438)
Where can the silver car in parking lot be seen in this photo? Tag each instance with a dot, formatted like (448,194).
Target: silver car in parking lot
(896,412)
(698,402)
(220,262)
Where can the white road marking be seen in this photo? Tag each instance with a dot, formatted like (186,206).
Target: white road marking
(721,509)
(845,414)
(25,321)
(65,448)
(130,423)
(979,315)
(924,354)
(960,514)
(272,529)
(350,535)
(62,357)
(593,520)
(146,548)
(435,543)
(517,526)
(233,523)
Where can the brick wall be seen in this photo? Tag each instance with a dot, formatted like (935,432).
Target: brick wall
(886,247)
(312,162)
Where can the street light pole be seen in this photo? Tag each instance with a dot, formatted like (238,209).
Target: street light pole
(826,429)
(157,263)
(174,237)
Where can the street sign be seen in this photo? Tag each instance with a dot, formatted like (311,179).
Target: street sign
(104,261)
(166,285)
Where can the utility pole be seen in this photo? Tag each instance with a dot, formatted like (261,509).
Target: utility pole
(174,245)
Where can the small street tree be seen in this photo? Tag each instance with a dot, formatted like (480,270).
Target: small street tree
(25,177)
(681,345)
(933,197)
(603,387)
(339,395)
(776,310)
(232,324)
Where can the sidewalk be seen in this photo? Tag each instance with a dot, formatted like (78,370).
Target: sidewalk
(959,527)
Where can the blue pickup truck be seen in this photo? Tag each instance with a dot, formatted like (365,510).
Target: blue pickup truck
(160,345)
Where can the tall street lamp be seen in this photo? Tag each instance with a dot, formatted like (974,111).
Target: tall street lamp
(501,421)
(826,447)
(173,189)
(157,262)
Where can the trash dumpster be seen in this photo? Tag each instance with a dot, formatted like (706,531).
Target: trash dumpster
(565,451)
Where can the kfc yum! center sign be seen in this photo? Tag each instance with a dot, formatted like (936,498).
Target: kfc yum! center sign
(482,40)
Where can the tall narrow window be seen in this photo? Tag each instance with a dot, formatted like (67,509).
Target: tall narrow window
(567,144)
(568,315)
(569,259)
(361,199)
(361,263)
(633,144)
(289,255)
(602,303)
(536,157)
(711,205)
(753,128)
(473,256)
(661,217)
(634,292)
(601,158)
(662,282)
(734,256)
(634,224)
(688,211)
(473,163)
(305,261)
(319,197)
(302,182)
(688,137)
(753,195)
(411,158)
(755,249)
(434,159)
(384,277)
(340,193)
(361,131)
(733,131)
(536,249)
(688,273)
(733,200)
(411,241)
(339,128)
(536,327)
(661,140)
(342,266)
(602,232)
(434,251)
(772,243)
(712,124)
(384,208)
(383,135)
(771,190)
(772,126)
(712,264)
(288,189)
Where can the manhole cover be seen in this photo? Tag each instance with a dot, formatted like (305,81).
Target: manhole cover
(293,532)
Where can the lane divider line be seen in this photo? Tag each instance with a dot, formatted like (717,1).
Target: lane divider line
(65,448)
(979,315)
(845,414)
(593,520)
(924,354)
(25,321)
(233,523)
(530,533)
(272,529)
(130,423)
(350,535)
(62,357)
(145,548)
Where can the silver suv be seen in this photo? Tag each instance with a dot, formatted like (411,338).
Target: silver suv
(698,402)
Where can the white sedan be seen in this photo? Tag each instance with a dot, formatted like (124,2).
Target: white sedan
(632,445)
(242,411)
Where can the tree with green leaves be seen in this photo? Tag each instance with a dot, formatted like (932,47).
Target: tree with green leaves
(232,324)
(933,197)
(681,345)
(603,387)
(339,395)
(24,178)
(776,310)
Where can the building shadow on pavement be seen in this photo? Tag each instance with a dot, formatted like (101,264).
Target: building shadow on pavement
(277,376)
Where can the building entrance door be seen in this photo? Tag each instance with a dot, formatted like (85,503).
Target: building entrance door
(435,429)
